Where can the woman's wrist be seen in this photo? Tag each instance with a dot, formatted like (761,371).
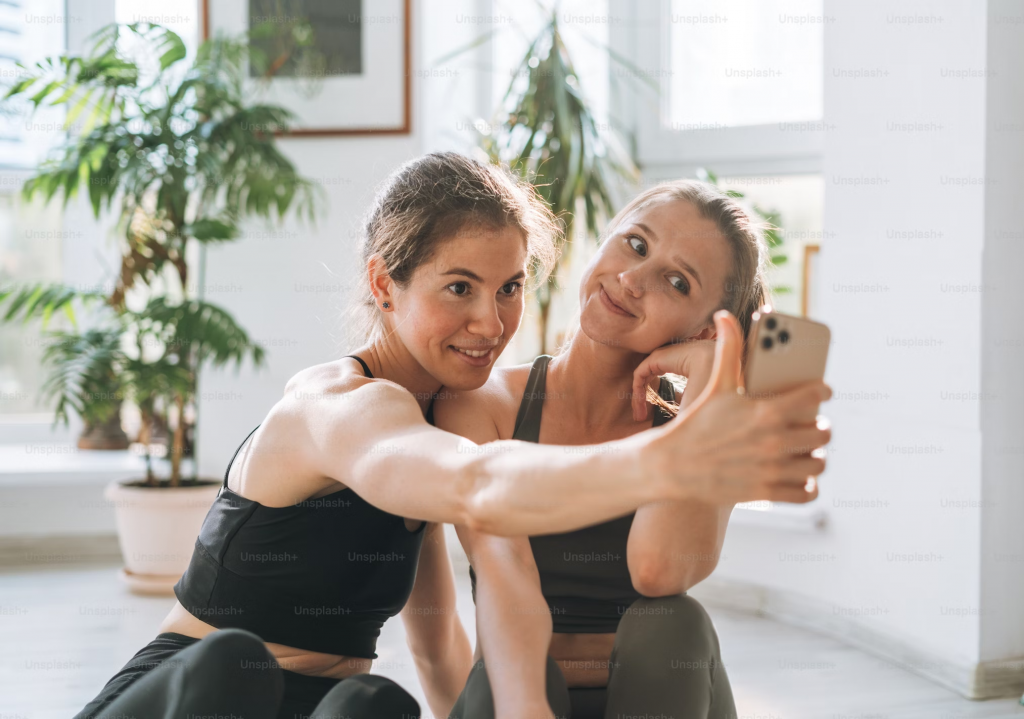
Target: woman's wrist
(695,384)
(654,467)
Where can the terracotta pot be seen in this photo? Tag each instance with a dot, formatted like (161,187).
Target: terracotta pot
(157,529)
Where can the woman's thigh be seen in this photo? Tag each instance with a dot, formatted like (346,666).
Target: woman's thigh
(229,671)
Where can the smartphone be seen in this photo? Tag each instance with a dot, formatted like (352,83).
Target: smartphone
(783,352)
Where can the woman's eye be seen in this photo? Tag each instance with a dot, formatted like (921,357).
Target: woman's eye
(680,284)
(511,288)
(458,288)
(638,244)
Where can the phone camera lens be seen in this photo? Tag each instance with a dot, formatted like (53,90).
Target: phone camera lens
(783,337)
(767,343)
(771,323)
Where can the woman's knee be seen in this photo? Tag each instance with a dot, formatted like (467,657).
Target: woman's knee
(677,622)
(235,658)
(229,645)
(366,696)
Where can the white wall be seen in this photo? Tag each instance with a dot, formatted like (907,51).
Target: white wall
(1002,348)
(289,286)
(907,295)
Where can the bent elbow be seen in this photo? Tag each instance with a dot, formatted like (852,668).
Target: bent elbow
(479,515)
(472,508)
(479,506)
(655,578)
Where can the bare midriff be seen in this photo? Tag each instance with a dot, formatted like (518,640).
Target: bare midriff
(302,661)
(584,658)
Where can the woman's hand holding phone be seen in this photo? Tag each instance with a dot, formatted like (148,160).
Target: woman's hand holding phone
(734,449)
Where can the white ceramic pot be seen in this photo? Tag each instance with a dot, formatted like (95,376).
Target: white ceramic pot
(157,530)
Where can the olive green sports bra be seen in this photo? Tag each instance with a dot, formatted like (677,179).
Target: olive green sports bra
(583,573)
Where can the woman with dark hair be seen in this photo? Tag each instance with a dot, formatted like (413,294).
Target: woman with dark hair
(598,618)
(315,539)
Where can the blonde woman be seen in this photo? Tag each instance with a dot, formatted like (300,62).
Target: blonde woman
(598,618)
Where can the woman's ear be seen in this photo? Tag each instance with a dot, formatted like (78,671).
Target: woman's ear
(381,285)
(708,333)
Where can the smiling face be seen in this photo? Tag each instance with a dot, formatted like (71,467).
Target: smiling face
(460,308)
(656,279)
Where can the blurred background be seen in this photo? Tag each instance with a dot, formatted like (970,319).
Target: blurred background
(152,317)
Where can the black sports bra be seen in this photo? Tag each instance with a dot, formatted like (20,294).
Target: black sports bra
(322,575)
(584,575)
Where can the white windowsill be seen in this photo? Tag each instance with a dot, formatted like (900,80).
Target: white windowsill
(37,464)
(777,515)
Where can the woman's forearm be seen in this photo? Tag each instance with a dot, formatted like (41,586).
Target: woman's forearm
(520,488)
(434,632)
(397,462)
(508,487)
(723,449)
(442,670)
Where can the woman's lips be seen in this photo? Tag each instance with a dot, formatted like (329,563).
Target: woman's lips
(481,361)
(607,301)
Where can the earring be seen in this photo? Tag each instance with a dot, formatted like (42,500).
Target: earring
(386,305)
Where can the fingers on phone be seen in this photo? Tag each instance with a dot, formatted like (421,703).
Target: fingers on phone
(801,403)
(804,440)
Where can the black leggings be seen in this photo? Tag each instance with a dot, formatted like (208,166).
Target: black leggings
(230,673)
(666,662)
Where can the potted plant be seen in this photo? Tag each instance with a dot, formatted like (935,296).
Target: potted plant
(184,156)
(546,130)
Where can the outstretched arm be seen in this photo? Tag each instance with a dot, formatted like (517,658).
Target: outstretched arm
(370,435)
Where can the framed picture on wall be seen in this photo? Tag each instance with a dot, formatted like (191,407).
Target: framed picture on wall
(341,66)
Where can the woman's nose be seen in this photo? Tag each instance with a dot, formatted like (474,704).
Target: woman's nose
(632,282)
(487,323)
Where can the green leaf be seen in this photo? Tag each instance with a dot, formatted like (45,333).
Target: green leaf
(212,229)
(39,301)
(175,50)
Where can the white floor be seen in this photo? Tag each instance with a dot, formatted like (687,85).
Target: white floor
(65,630)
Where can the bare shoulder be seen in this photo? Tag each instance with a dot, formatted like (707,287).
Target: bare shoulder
(340,386)
(326,409)
(487,413)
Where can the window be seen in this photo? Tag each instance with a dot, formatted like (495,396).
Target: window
(739,84)
(745,62)
(30,235)
(799,202)
(739,93)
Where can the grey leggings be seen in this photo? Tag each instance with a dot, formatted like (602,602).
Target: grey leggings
(666,662)
(230,674)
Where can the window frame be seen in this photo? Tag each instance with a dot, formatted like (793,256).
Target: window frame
(752,150)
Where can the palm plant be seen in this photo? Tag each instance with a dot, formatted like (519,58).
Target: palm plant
(184,156)
(85,378)
(547,132)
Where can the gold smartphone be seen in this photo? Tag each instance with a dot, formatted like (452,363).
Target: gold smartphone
(783,352)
